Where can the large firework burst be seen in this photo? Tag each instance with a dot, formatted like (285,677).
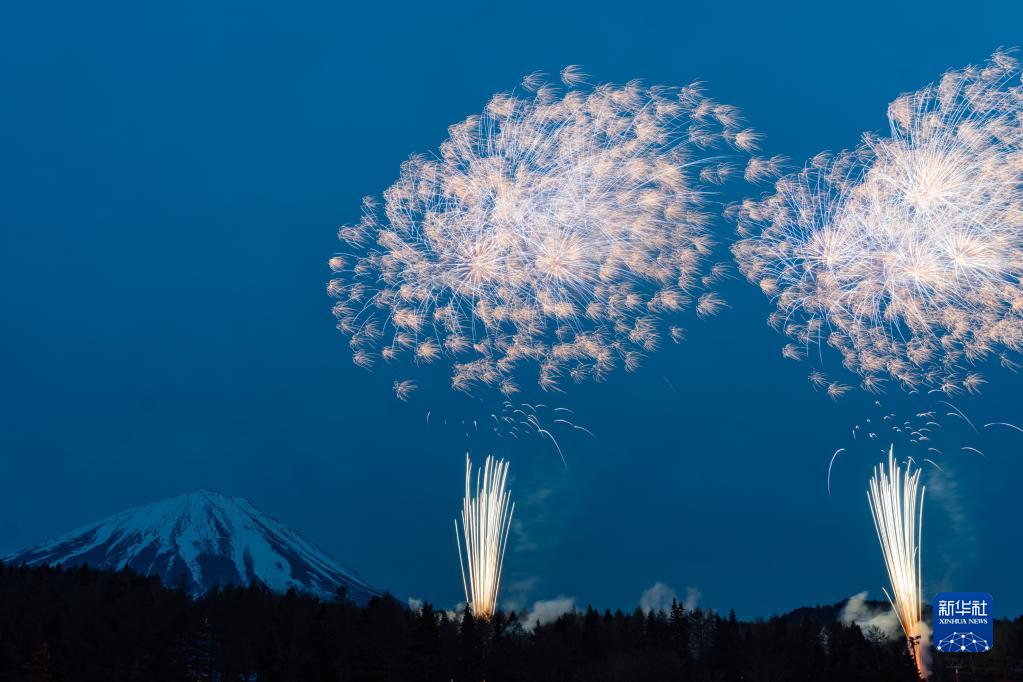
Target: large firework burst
(486,522)
(906,253)
(898,514)
(555,229)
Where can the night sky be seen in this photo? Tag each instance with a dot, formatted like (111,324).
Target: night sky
(171,181)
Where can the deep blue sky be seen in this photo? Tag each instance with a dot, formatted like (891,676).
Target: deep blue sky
(171,179)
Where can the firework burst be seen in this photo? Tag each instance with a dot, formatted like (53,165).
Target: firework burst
(897,506)
(555,229)
(906,253)
(486,522)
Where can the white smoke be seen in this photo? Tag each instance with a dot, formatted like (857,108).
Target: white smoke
(516,593)
(455,614)
(884,619)
(692,598)
(548,611)
(660,596)
(657,598)
(925,643)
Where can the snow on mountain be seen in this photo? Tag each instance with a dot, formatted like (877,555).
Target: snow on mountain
(202,539)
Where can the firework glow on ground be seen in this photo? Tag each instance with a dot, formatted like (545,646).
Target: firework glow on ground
(486,523)
(906,253)
(556,230)
(897,506)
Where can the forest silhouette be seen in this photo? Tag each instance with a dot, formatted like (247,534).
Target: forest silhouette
(85,624)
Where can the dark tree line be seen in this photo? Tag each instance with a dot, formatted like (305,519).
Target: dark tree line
(83,624)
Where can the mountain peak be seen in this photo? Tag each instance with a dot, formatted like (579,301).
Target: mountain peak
(202,539)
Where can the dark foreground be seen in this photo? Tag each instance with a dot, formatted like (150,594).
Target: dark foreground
(116,626)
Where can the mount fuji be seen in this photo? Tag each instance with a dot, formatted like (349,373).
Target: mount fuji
(199,540)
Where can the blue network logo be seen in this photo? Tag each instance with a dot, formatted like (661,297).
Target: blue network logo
(963,622)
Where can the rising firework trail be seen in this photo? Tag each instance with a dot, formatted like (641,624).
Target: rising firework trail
(897,505)
(486,522)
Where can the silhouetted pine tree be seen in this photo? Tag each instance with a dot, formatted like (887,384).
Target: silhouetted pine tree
(592,646)
(702,626)
(679,624)
(656,631)
(38,669)
(199,650)
(470,648)
(424,658)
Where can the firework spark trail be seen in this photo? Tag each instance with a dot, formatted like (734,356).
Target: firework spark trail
(832,464)
(486,523)
(553,230)
(1011,426)
(906,253)
(521,419)
(909,433)
(898,514)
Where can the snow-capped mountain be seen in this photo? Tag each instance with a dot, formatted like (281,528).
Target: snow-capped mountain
(202,539)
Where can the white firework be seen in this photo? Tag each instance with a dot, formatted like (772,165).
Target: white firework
(906,253)
(897,506)
(555,229)
(486,523)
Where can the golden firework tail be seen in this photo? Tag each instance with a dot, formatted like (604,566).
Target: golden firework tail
(486,523)
(897,506)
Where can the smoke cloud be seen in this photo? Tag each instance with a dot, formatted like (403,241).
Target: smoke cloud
(692,598)
(859,612)
(657,598)
(660,596)
(548,611)
(884,619)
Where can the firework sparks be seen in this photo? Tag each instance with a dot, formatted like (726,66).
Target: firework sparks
(831,464)
(486,522)
(897,506)
(906,253)
(1006,424)
(553,231)
(519,421)
(403,389)
(912,433)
